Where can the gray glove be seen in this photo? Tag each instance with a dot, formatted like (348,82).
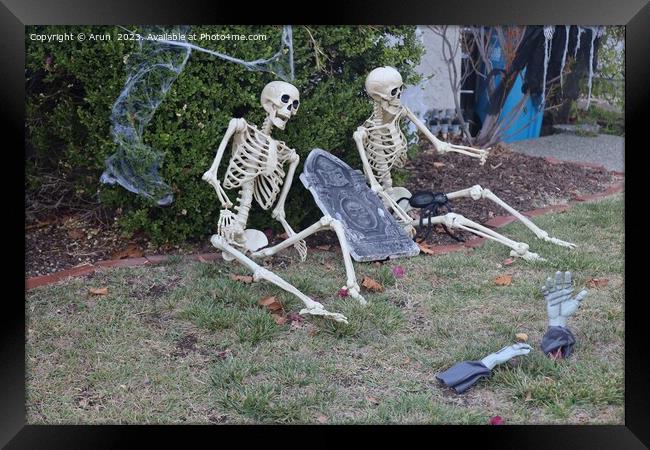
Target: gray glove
(505,354)
(559,303)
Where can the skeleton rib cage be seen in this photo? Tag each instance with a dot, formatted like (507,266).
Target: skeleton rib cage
(385,145)
(257,157)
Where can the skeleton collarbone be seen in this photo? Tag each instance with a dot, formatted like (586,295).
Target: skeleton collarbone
(385,145)
(257,158)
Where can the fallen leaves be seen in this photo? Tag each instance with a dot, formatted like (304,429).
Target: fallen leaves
(98,291)
(243,278)
(273,305)
(371,284)
(425,248)
(279,319)
(324,248)
(131,251)
(521,337)
(597,282)
(372,400)
(503,280)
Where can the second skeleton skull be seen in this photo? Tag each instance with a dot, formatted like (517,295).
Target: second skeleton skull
(382,146)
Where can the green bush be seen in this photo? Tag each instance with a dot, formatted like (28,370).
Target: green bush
(72,85)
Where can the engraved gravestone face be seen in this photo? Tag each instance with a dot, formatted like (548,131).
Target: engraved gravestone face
(341,192)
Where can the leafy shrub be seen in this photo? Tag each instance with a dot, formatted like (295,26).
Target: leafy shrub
(72,85)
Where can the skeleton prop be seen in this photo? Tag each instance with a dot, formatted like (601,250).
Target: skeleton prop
(382,146)
(256,168)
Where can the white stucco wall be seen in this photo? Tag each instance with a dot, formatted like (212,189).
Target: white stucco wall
(434,92)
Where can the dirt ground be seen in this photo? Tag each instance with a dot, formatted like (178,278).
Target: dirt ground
(524,182)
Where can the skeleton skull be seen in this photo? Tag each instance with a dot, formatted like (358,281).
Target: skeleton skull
(384,85)
(281,101)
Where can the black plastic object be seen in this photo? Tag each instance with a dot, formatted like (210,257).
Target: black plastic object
(463,375)
(430,205)
(558,338)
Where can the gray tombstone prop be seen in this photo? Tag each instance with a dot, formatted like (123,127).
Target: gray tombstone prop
(341,192)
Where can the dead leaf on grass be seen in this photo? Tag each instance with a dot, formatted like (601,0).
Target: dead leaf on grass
(371,285)
(597,282)
(424,248)
(279,319)
(243,278)
(503,280)
(98,291)
(271,303)
(372,400)
(324,247)
(522,337)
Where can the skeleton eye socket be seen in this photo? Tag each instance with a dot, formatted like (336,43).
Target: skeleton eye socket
(295,104)
(394,91)
(285,98)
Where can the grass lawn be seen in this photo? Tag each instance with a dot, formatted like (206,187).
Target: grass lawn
(183,343)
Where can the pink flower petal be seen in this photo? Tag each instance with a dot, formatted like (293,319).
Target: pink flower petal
(399,271)
(343,292)
(496,420)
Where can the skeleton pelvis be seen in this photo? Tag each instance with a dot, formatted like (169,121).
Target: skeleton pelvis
(253,241)
(397,193)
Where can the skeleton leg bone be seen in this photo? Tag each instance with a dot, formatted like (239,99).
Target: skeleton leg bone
(453,220)
(325,223)
(476,192)
(260,273)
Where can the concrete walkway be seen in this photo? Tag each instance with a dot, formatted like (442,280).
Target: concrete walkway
(604,149)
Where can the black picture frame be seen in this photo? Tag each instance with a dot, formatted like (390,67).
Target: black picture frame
(16,14)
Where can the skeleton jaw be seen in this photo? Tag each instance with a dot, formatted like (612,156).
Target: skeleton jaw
(279,121)
(391,107)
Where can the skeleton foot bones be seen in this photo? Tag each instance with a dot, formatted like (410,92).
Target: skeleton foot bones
(256,169)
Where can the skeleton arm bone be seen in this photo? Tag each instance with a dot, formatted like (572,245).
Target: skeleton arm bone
(358,137)
(444,147)
(278,212)
(210,175)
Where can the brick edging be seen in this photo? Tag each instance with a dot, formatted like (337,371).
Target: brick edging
(495,222)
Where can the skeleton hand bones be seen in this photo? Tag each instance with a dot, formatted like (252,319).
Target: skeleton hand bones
(211,177)
(445,147)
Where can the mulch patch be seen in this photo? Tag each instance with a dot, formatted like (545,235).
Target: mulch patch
(524,182)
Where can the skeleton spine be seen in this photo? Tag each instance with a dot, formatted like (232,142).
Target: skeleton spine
(244,201)
(377,114)
(266,126)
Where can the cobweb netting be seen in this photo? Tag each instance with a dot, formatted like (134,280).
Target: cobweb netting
(160,57)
